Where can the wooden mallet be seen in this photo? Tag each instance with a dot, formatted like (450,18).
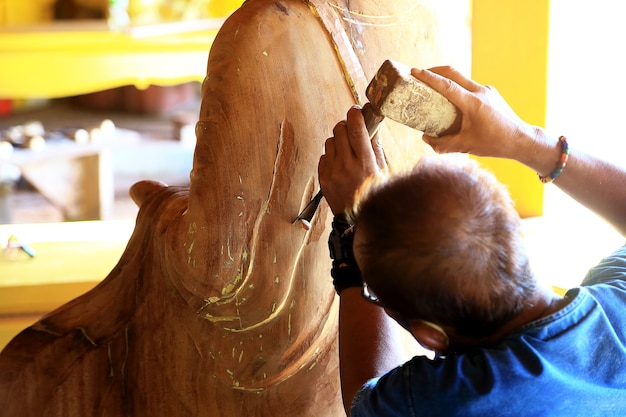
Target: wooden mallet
(395,94)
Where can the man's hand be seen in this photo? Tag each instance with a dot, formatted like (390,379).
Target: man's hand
(350,159)
(489,126)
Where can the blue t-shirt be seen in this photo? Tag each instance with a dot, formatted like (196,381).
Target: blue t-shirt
(571,363)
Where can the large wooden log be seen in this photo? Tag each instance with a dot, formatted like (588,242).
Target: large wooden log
(220,306)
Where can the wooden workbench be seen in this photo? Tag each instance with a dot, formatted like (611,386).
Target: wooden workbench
(70,259)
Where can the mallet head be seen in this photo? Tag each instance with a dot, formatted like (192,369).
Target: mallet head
(399,96)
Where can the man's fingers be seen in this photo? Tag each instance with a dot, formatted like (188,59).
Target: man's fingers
(358,135)
(459,95)
(447,87)
(449,73)
(321,166)
(432,141)
(379,153)
(341,139)
(329,148)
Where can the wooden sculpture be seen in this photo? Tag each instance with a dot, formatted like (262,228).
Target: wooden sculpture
(220,306)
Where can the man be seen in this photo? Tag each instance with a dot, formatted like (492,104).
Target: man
(440,251)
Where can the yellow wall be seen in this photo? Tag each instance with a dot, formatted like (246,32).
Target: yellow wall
(510,52)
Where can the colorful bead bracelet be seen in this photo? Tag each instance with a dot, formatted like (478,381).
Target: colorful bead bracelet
(560,165)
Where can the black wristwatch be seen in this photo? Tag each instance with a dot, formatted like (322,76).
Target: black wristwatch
(345,271)
(340,241)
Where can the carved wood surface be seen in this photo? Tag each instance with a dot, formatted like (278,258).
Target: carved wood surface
(220,306)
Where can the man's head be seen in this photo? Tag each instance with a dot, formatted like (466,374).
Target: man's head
(443,244)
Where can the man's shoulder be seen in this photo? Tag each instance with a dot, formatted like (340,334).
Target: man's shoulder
(610,268)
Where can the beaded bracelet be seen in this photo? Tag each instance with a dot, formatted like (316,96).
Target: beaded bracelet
(560,165)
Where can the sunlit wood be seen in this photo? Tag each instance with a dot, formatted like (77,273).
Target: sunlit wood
(220,306)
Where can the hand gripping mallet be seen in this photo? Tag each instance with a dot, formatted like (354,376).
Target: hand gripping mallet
(395,94)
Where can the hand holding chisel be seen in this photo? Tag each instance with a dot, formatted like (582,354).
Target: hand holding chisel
(394,93)
(372,123)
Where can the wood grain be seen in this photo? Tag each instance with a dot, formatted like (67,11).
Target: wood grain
(220,306)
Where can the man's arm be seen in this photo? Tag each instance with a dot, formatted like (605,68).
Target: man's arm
(370,342)
(491,128)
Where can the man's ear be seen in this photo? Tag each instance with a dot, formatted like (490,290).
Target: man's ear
(430,335)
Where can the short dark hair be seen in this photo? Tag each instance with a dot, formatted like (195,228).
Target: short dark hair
(443,243)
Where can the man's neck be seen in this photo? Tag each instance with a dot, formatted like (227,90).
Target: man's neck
(543,303)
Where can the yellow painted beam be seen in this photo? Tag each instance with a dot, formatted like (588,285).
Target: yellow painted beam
(510,52)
